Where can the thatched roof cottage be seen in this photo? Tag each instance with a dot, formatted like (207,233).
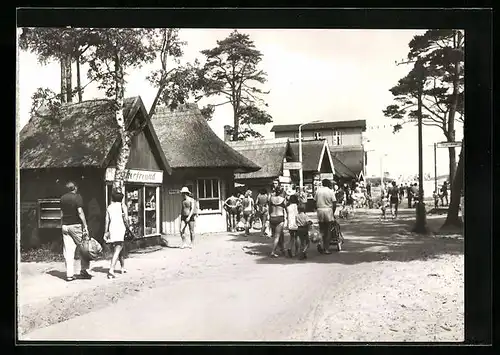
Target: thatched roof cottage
(80,143)
(270,154)
(199,160)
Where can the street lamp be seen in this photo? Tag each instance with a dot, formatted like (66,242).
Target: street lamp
(301,173)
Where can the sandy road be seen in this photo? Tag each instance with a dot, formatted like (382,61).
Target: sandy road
(385,286)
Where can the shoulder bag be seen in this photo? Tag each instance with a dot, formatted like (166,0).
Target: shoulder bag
(129,235)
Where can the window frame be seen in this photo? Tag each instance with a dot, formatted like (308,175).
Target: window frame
(317,135)
(337,138)
(204,179)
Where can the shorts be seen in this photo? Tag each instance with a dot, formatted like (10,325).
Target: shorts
(247,214)
(325,215)
(394,199)
(184,219)
(276,219)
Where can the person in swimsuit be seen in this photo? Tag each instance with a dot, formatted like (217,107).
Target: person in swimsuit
(277,214)
(188,207)
(248,208)
(293,244)
(262,207)
(231,206)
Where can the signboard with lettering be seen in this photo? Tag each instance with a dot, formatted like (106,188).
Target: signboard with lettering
(131,175)
(174,191)
(448,144)
(292,165)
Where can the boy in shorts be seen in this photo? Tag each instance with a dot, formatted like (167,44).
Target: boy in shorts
(303,224)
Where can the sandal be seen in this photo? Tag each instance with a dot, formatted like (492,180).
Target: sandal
(274,255)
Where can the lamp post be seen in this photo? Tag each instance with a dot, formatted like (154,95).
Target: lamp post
(301,172)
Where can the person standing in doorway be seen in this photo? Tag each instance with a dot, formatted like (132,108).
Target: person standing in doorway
(114,234)
(74,232)
(188,213)
(231,205)
(326,204)
(277,212)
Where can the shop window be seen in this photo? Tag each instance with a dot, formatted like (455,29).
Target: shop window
(317,135)
(208,195)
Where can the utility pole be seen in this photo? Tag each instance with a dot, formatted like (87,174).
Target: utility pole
(435,169)
(421,222)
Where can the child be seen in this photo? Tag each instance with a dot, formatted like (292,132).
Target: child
(383,207)
(435,196)
(303,224)
(292,212)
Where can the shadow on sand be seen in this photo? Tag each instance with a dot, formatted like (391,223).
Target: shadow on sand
(367,239)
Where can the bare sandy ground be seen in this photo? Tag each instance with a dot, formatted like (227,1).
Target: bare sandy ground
(386,285)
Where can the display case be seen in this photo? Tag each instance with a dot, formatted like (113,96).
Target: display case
(142,207)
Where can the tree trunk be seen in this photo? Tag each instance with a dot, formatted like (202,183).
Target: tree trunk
(124,150)
(452,219)
(68,77)
(453,110)
(453,163)
(78,79)
(236,122)
(63,79)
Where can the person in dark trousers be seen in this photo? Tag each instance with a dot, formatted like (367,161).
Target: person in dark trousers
(409,195)
(401,193)
(74,232)
(444,193)
(326,203)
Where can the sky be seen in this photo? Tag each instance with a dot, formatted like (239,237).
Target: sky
(314,74)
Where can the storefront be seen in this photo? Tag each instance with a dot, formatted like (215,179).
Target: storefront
(50,157)
(142,196)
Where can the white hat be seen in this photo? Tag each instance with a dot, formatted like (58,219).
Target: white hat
(185,190)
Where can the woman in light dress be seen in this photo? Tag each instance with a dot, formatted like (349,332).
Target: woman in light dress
(115,231)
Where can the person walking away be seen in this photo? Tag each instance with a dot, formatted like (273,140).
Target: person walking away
(393,196)
(292,212)
(114,234)
(277,211)
(444,193)
(303,224)
(401,193)
(188,209)
(325,206)
(74,232)
(414,194)
(409,195)
(248,208)
(435,196)
(231,204)
(262,207)
(302,197)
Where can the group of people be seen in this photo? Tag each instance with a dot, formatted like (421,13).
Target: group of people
(75,232)
(442,195)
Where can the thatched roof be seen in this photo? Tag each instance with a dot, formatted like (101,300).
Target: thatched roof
(351,158)
(188,141)
(321,125)
(269,154)
(312,154)
(85,134)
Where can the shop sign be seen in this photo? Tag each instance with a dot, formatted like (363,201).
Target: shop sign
(284,179)
(448,144)
(131,175)
(174,191)
(292,165)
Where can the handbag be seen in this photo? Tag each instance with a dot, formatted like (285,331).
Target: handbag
(92,248)
(129,235)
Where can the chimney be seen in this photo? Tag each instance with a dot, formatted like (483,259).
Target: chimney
(227,134)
